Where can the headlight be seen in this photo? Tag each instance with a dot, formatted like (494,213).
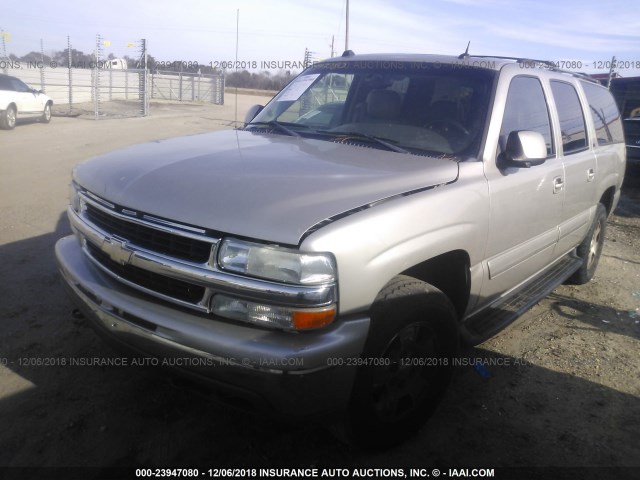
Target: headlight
(74,196)
(275,263)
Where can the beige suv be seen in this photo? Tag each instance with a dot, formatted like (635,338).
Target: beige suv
(328,258)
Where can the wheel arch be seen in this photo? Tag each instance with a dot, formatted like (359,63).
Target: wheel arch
(607,199)
(448,272)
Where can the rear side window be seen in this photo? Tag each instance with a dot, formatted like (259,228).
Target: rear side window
(526,109)
(605,114)
(572,126)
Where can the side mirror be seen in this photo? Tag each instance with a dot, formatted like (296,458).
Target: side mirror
(525,149)
(252,112)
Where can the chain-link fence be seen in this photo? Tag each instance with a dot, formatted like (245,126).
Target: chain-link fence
(114,80)
(119,90)
(188,87)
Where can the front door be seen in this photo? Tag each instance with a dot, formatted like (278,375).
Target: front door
(26,99)
(526,203)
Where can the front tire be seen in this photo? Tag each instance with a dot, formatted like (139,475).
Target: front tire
(8,118)
(46,114)
(591,248)
(411,343)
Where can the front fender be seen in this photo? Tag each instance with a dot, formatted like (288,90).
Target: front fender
(373,246)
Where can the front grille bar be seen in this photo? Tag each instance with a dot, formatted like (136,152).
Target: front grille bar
(155,223)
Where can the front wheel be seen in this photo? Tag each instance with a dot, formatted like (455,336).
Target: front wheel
(591,248)
(46,114)
(409,356)
(8,118)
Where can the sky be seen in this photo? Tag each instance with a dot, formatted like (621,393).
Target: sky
(586,33)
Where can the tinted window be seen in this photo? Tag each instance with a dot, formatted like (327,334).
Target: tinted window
(604,112)
(4,83)
(632,128)
(526,109)
(18,85)
(572,126)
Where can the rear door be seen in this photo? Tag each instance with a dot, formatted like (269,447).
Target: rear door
(607,139)
(579,166)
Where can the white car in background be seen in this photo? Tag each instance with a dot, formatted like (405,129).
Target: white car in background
(19,100)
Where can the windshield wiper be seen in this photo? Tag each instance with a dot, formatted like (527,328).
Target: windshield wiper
(378,140)
(279,126)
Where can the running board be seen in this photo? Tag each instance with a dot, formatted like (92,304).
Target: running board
(486,323)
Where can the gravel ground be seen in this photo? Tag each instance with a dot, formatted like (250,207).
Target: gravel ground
(558,388)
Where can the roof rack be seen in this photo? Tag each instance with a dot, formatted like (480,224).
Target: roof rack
(544,63)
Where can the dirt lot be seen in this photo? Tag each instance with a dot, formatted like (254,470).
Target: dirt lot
(566,392)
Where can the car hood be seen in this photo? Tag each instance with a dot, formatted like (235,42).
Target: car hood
(265,186)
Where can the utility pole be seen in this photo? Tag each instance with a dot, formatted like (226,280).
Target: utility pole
(308,58)
(96,77)
(69,62)
(4,36)
(346,37)
(612,71)
(41,65)
(235,117)
(143,84)
(332,50)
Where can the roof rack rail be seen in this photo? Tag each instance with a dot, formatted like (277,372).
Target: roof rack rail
(544,63)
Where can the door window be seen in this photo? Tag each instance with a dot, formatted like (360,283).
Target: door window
(19,86)
(572,126)
(526,109)
(604,112)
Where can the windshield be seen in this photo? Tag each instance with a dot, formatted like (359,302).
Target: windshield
(423,108)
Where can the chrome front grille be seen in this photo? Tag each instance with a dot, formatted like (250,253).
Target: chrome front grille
(146,236)
(129,241)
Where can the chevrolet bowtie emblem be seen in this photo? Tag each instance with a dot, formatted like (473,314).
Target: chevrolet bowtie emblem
(117,250)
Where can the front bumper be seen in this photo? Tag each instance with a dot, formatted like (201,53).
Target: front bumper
(285,372)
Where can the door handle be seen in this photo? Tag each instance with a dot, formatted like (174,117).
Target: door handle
(558,184)
(591,174)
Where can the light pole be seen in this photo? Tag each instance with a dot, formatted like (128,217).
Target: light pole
(346,37)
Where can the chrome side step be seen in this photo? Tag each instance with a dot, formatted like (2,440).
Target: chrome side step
(491,320)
